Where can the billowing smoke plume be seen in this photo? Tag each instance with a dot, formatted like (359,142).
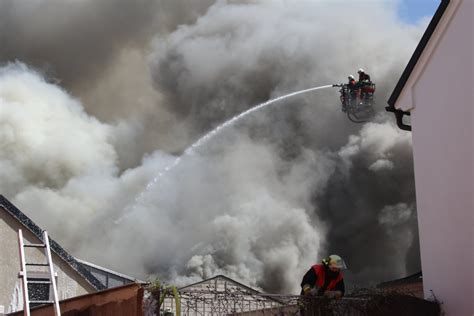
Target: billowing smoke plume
(98,50)
(239,55)
(259,202)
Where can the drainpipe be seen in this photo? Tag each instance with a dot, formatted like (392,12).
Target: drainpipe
(399,116)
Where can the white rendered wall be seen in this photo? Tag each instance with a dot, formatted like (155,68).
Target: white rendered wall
(443,145)
(70,283)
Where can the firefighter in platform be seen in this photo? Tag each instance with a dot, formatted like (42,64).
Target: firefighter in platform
(364,78)
(364,83)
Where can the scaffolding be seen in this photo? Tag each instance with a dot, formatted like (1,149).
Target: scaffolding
(215,302)
(223,296)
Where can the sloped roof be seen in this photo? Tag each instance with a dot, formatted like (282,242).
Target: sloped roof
(111,272)
(243,289)
(55,247)
(221,277)
(414,278)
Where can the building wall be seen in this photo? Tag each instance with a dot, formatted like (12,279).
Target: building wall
(443,146)
(70,283)
(120,301)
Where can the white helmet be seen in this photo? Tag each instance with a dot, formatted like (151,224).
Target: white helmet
(336,262)
(350,77)
(360,70)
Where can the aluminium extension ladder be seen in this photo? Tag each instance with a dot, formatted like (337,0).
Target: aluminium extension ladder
(24,275)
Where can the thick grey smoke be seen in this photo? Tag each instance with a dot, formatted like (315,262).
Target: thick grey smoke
(77,41)
(238,55)
(260,202)
(74,40)
(99,50)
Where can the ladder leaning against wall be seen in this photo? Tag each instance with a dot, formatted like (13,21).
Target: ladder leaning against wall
(24,274)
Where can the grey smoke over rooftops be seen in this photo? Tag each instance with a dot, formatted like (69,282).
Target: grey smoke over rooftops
(106,94)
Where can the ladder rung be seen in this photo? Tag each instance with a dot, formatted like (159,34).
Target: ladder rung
(37,264)
(39,282)
(41,302)
(35,245)
(27,281)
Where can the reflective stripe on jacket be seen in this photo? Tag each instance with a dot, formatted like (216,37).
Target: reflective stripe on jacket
(320,271)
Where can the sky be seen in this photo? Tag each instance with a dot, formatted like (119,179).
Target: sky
(413,10)
(99,111)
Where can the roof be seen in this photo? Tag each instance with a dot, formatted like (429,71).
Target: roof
(249,290)
(55,247)
(253,291)
(411,65)
(121,275)
(414,278)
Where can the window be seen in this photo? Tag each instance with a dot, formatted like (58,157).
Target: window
(39,287)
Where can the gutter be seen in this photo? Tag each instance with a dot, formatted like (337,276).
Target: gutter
(411,65)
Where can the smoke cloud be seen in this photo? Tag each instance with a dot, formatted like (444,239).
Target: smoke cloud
(98,50)
(123,95)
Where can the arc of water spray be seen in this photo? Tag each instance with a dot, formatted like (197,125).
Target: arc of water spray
(188,151)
